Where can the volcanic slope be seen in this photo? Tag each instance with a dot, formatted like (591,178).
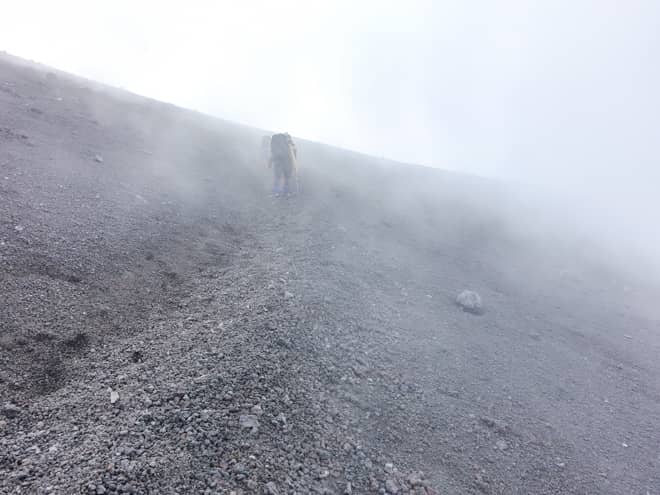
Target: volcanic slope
(168,327)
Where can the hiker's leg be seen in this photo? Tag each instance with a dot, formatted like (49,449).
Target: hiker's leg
(287,178)
(277,175)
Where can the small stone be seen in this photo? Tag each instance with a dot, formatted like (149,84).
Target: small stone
(470,301)
(21,475)
(10,410)
(271,488)
(416,479)
(249,421)
(391,487)
(114,396)
(98,158)
(389,468)
(496,424)
(501,445)
(19,228)
(34,450)
(256,410)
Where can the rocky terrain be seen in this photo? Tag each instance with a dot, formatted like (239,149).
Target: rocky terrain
(168,327)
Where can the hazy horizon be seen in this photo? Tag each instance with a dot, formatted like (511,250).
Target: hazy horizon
(559,94)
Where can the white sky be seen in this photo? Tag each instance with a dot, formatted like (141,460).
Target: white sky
(557,92)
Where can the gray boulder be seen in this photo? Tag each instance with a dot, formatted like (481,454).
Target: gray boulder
(470,302)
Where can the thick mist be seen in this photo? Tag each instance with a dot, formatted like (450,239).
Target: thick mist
(556,99)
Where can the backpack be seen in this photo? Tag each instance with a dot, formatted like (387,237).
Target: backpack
(281,146)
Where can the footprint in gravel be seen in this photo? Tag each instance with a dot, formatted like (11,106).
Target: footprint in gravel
(78,342)
(44,337)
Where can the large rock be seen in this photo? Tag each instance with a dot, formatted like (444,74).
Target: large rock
(470,301)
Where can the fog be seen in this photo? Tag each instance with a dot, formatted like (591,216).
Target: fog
(560,95)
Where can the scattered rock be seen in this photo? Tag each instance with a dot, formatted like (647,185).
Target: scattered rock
(271,488)
(470,301)
(249,421)
(21,475)
(496,424)
(416,479)
(10,410)
(501,445)
(392,487)
(114,396)
(98,158)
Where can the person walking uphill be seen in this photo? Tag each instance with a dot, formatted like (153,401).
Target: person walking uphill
(283,161)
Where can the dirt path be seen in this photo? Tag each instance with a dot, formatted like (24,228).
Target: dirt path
(309,345)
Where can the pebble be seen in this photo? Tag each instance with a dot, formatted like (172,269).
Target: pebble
(496,424)
(10,410)
(271,488)
(501,445)
(416,479)
(249,421)
(391,486)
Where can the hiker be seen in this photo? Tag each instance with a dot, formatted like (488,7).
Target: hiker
(283,157)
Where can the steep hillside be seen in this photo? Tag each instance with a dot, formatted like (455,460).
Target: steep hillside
(168,327)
